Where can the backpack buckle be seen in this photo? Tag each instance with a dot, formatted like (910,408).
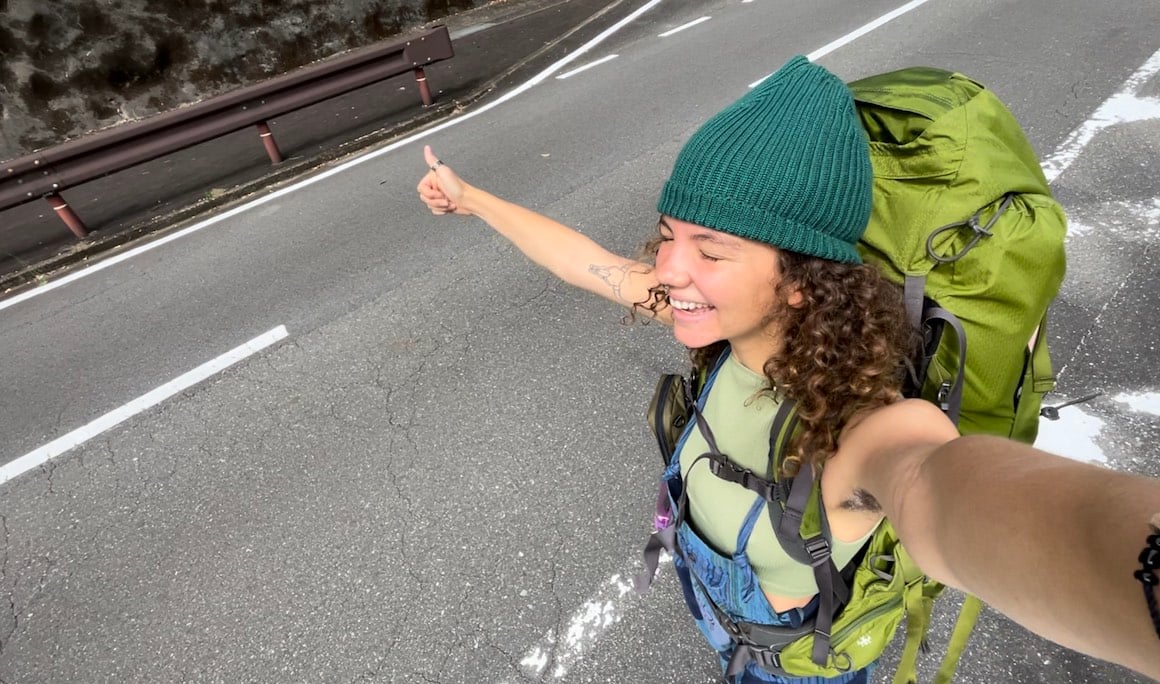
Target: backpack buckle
(774,657)
(817,547)
(767,658)
(729,471)
(944,393)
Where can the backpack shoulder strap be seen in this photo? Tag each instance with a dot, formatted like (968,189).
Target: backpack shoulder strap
(798,518)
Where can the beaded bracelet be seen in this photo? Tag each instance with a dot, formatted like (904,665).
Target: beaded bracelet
(1150,559)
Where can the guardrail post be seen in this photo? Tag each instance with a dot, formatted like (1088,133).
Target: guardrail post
(66,214)
(424,89)
(268,141)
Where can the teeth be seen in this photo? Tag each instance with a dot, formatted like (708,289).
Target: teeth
(688,306)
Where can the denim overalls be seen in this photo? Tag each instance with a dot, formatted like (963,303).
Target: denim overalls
(729,582)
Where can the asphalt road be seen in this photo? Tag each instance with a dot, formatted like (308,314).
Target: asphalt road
(442,473)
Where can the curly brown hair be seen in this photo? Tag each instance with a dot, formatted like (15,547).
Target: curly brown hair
(844,347)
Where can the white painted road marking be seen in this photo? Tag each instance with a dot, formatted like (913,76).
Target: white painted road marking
(1073,435)
(682,27)
(468,30)
(119,415)
(1128,220)
(1125,106)
(853,35)
(586,67)
(585,627)
(530,83)
(1076,432)
(1141,402)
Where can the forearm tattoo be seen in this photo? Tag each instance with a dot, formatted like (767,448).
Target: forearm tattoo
(615,276)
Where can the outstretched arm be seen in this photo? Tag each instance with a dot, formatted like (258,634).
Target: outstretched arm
(1050,542)
(571,256)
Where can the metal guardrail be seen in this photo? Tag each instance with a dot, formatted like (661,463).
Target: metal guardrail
(45,173)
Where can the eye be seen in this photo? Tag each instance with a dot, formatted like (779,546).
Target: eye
(709,258)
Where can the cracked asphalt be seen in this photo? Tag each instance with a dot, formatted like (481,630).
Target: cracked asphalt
(447,457)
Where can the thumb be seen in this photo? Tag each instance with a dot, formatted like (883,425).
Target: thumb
(429,156)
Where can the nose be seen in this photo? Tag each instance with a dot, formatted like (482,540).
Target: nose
(670,266)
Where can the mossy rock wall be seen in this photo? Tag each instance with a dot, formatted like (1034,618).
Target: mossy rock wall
(68,67)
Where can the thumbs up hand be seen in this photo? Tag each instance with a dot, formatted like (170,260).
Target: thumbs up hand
(441,189)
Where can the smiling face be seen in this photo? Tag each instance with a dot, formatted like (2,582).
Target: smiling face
(721,287)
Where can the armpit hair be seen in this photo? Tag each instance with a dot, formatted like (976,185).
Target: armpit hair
(862,500)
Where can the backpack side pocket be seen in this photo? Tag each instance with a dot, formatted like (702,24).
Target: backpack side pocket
(668,412)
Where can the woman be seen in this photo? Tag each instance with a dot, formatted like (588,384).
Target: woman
(755,264)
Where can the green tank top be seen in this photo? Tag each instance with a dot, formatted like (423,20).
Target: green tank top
(740,415)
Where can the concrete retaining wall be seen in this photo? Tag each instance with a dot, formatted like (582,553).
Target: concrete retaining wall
(68,67)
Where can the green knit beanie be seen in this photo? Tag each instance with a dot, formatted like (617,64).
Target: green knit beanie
(787,164)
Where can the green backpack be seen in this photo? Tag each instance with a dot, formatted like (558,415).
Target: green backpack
(964,221)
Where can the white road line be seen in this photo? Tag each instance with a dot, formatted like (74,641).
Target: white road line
(530,83)
(119,415)
(1141,402)
(854,35)
(1129,220)
(586,67)
(468,30)
(585,627)
(682,27)
(1075,435)
(1125,106)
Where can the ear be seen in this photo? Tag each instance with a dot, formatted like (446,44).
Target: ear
(795,298)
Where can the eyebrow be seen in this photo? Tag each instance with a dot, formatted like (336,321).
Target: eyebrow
(708,235)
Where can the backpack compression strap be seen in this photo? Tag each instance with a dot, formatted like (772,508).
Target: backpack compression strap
(950,396)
